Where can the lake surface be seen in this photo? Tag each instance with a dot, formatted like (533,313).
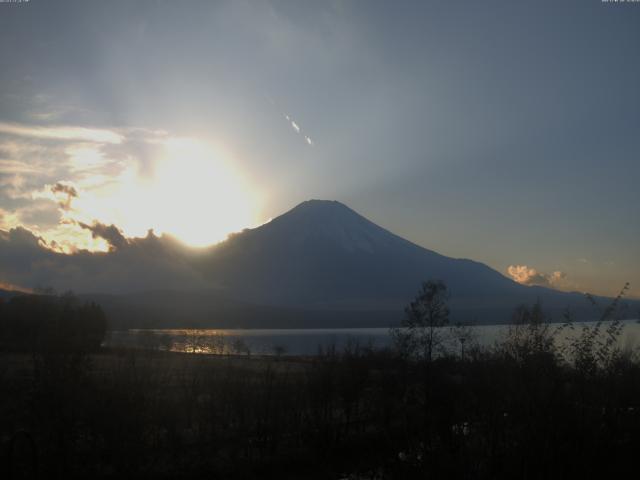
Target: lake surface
(309,341)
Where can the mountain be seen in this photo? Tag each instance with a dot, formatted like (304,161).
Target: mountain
(323,256)
(319,265)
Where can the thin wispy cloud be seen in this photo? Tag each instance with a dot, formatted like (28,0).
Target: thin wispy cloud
(15,166)
(62,133)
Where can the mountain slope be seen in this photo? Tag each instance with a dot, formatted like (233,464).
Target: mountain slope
(323,255)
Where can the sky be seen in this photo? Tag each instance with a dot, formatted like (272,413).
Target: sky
(505,132)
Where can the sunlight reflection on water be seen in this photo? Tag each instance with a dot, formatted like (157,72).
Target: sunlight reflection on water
(307,341)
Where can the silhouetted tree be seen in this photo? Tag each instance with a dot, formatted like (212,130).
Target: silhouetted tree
(596,345)
(52,323)
(529,333)
(419,335)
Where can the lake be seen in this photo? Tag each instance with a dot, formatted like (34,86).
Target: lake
(308,341)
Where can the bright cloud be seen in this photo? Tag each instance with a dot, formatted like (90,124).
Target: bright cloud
(57,182)
(530,276)
(62,133)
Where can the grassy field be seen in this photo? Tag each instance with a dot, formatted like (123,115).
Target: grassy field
(356,413)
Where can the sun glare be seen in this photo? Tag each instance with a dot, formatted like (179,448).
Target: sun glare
(199,197)
(193,193)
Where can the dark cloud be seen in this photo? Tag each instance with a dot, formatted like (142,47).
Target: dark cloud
(110,233)
(21,239)
(67,190)
(141,264)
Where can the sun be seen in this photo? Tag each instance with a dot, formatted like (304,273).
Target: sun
(198,196)
(193,192)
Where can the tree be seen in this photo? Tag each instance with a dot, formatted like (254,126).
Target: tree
(51,323)
(530,333)
(595,347)
(419,334)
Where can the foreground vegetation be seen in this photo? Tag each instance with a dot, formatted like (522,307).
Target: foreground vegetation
(522,409)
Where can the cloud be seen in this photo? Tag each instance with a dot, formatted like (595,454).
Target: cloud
(67,190)
(51,178)
(41,212)
(14,167)
(110,233)
(140,264)
(530,276)
(62,133)
(64,190)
